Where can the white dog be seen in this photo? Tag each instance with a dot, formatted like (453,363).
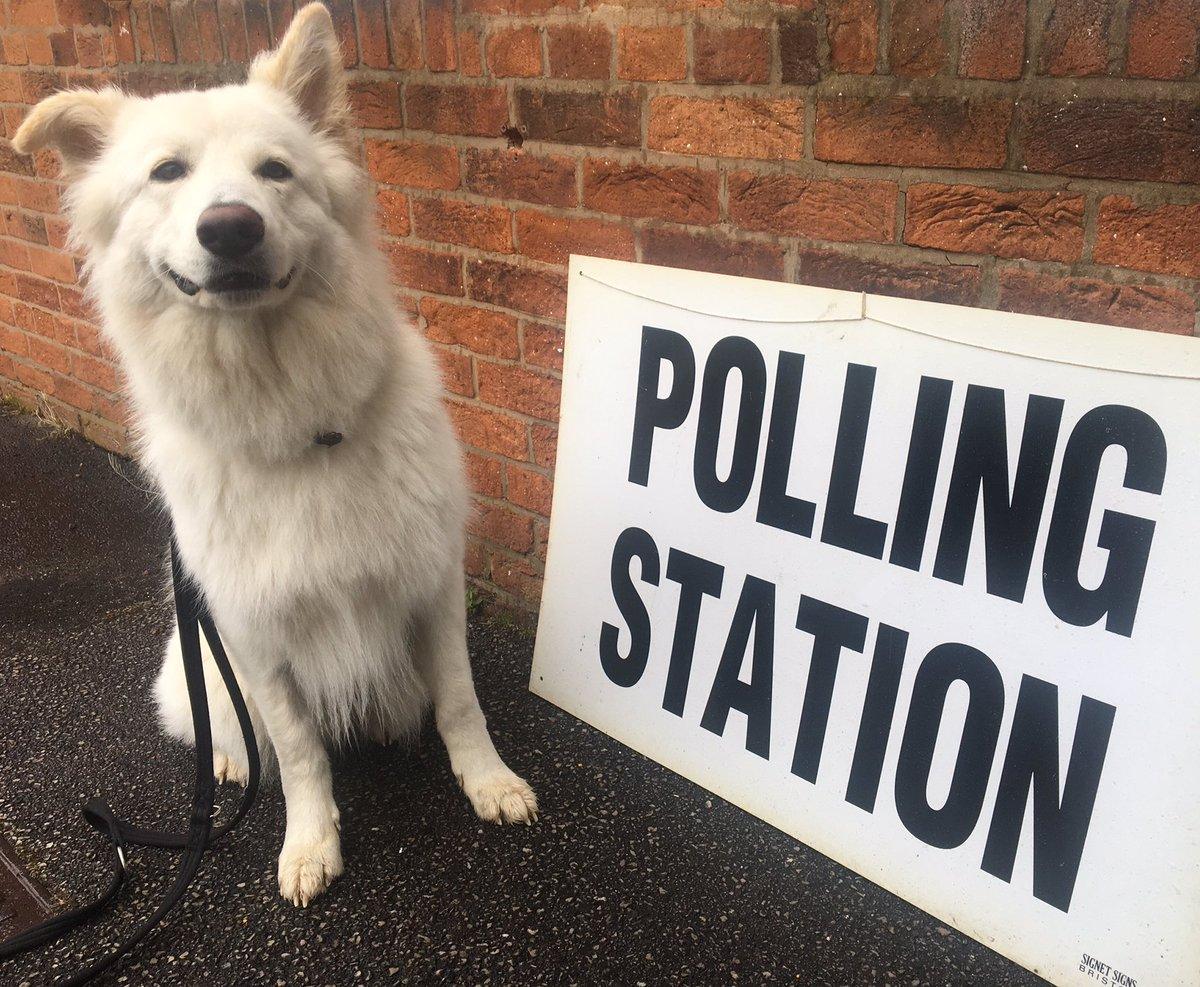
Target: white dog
(230,248)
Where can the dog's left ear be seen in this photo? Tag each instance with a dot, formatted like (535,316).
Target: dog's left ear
(307,66)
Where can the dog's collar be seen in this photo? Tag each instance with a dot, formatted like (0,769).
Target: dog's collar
(328,439)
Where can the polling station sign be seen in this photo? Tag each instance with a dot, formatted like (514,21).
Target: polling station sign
(914,583)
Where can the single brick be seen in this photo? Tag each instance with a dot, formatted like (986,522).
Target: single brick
(519,175)
(233,30)
(852,27)
(515,51)
(425,270)
(529,489)
(1163,36)
(376,103)
(1154,141)
(1162,238)
(603,119)
(517,577)
(579,51)
(1075,38)
(1032,223)
(992,39)
(956,284)
(372,33)
(731,55)
(455,370)
(208,27)
(391,210)
(441,54)
(1142,306)
(524,289)
(542,345)
(728,127)
(918,44)
(517,389)
(479,111)
(258,27)
(544,439)
(674,247)
(799,51)
(552,239)
(478,329)
(405,20)
(685,195)
(187,37)
(465,223)
(412,163)
(905,130)
(825,209)
(486,475)
(491,431)
(503,526)
(470,53)
(651,54)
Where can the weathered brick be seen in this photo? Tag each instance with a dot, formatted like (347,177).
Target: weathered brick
(1141,306)
(517,577)
(208,29)
(1032,223)
(49,355)
(1101,138)
(441,53)
(503,526)
(685,195)
(905,130)
(478,329)
(1163,238)
(485,475)
(233,29)
(521,8)
(455,370)
(376,103)
(552,238)
(729,127)
(731,55)
(918,44)
(62,46)
(529,489)
(258,27)
(404,18)
(579,51)
(673,247)
(391,210)
(52,264)
(97,373)
(992,39)
(834,209)
(524,289)
(491,431)
(603,119)
(1075,37)
(93,13)
(187,37)
(412,163)
(519,175)
(542,345)
(852,27)
(480,111)
(650,54)
(468,224)
(1163,36)
(470,53)
(956,284)
(425,270)
(372,33)
(515,51)
(475,559)
(799,51)
(517,389)
(33,13)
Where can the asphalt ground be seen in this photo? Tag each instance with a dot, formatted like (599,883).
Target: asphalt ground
(632,876)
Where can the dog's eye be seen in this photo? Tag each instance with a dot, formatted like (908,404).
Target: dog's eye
(275,170)
(168,171)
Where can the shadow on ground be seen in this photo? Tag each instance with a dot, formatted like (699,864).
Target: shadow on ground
(632,876)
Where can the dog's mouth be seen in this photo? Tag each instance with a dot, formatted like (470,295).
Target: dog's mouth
(231,283)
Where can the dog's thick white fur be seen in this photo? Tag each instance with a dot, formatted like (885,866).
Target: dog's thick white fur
(333,572)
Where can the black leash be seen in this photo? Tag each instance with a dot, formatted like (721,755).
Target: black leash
(192,616)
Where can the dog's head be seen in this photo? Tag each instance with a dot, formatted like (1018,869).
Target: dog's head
(224,198)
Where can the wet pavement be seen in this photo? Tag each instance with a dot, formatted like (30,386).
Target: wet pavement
(633,876)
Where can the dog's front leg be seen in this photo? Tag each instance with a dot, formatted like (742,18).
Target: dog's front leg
(312,855)
(497,794)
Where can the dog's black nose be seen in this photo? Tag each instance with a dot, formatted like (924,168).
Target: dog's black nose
(230,230)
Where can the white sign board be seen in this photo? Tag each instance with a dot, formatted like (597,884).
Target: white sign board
(912,582)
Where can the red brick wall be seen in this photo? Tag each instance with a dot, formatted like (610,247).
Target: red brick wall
(1036,156)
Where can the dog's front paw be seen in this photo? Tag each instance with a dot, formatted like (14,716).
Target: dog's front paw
(308,868)
(226,768)
(500,796)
